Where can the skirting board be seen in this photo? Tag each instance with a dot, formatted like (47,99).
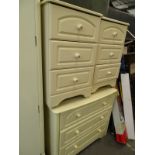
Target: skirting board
(127,105)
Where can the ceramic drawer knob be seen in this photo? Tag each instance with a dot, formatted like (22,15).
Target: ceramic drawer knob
(77,55)
(99,130)
(78,115)
(75,79)
(77,132)
(114,34)
(75,146)
(102,117)
(79,26)
(109,73)
(104,103)
(111,54)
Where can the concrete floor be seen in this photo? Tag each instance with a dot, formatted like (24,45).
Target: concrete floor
(108,146)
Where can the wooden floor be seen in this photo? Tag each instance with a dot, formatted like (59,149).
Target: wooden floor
(108,146)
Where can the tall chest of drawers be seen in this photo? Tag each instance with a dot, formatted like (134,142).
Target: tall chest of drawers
(81,53)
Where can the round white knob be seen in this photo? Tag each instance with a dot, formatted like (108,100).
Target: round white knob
(111,54)
(79,26)
(75,79)
(102,117)
(77,55)
(75,146)
(99,130)
(109,72)
(114,34)
(77,132)
(78,115)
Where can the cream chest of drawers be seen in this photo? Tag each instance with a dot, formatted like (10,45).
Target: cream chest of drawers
(81,54)
(77,122)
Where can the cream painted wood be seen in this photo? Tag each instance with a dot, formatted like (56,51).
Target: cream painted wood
(63,54)
(112,33)
(94,126)
(109,53)
(68,24)
(77,115)
(62,81)
(83,142)
(70,135)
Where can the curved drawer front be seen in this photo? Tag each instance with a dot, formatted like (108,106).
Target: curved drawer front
(103,72)
(68,136)
(74,116)
(70,79)
(112,33)
(84,141)
(68,24)
(64,54)
(109,53)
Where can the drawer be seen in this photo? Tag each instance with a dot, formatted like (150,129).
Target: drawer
(70,79)
(64,54)
(82,143)
(68,24)
(68,136)
(109,53)
(75,116)
(112,33)
(103,72)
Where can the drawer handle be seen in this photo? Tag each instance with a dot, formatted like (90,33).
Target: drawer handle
(75,79)
(102,117)
(75,146)
(77,55)
(114,34)
(79,26)
(111,54)
(99,130)
(109,73)
(104,103)
(78,115)
(77,132)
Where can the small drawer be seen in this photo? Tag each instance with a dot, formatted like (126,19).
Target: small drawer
(112,33)
(103,72)
(75,116)
(68,24)
(70,79)
(109,54)
(84,141)
(68,136)
(64,54)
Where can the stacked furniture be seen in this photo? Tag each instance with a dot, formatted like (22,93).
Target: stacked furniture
(81,53)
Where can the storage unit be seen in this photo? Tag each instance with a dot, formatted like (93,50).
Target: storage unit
(81,53)
(77,122)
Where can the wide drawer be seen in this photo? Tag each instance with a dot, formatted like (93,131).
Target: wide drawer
(73,117)
(64,54)
(103,72)
(112,33)
(68,136)
(70,79)
(109,53)
(84,141)
(68,24)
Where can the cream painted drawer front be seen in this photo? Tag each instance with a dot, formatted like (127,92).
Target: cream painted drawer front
(74,116)
(64,54)
(70,79)
(68,136)
(69,24)
(109,53)
(103,72)
(84,141)
(112,33)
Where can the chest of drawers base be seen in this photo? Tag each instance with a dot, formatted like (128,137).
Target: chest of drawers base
(78,122)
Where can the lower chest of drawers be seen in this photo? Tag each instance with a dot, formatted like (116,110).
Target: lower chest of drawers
(78,122)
